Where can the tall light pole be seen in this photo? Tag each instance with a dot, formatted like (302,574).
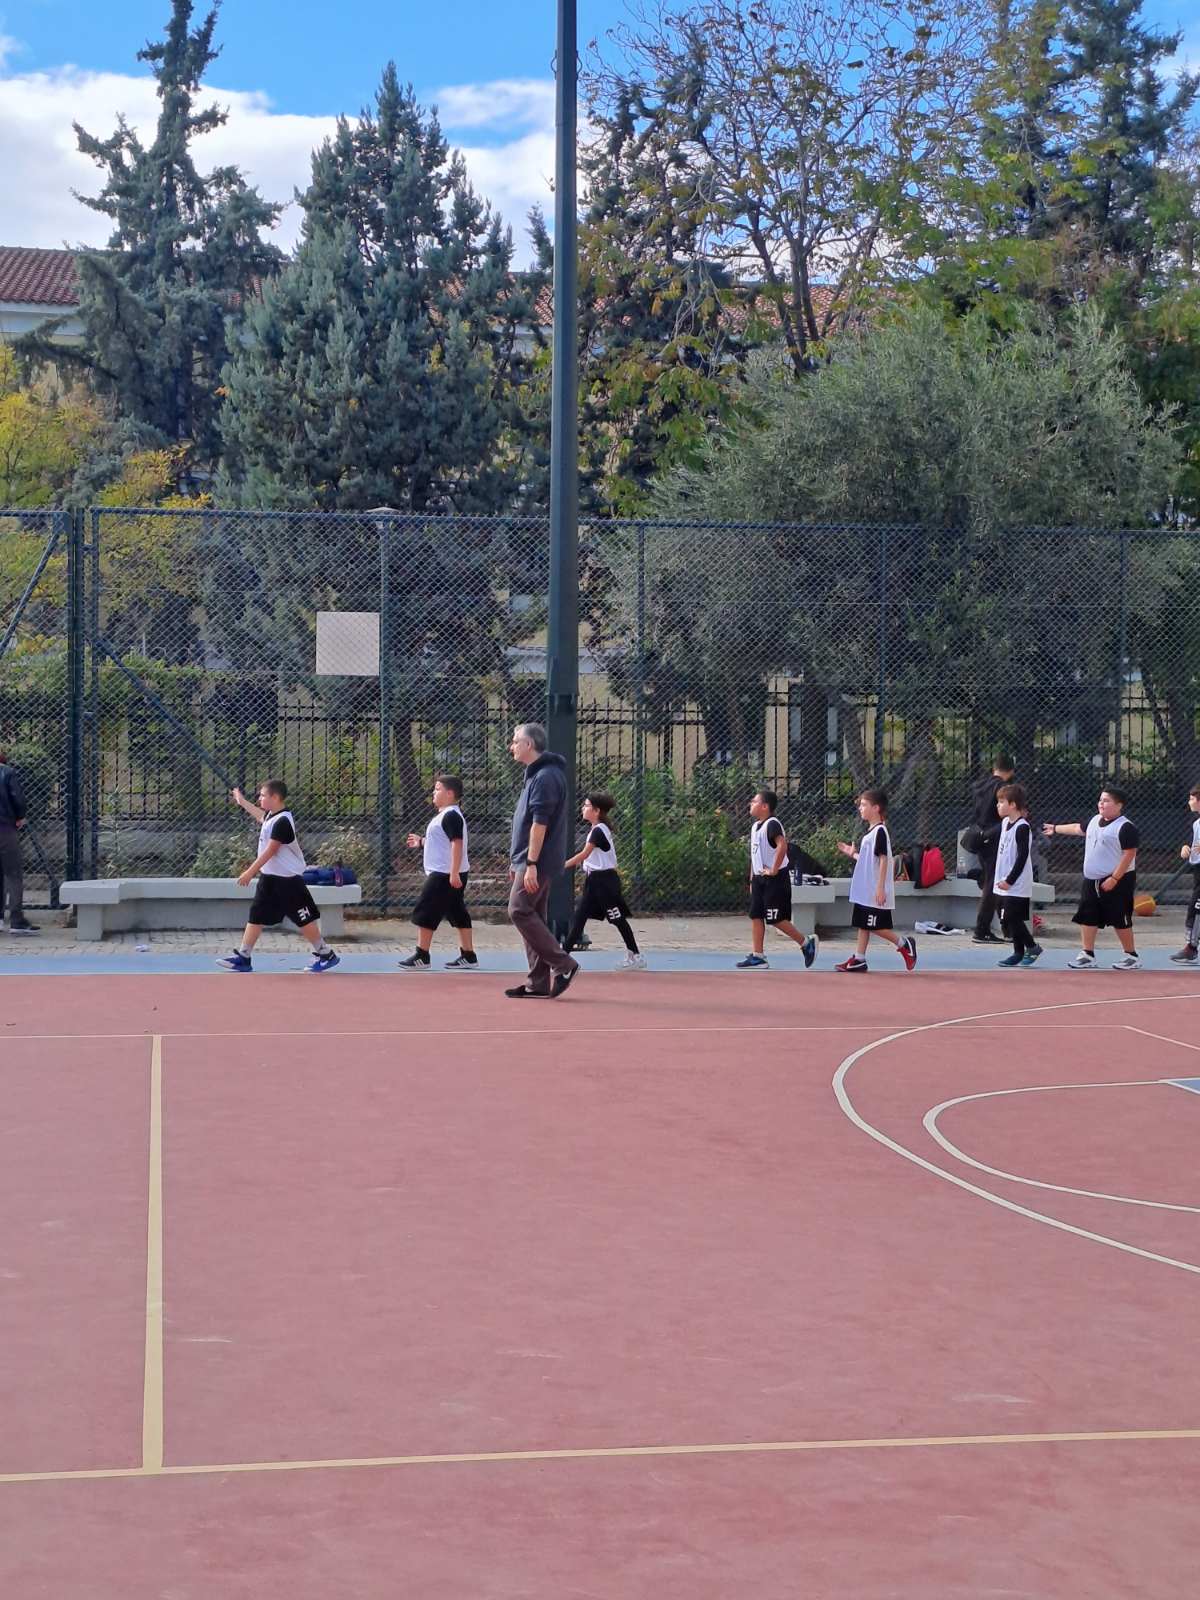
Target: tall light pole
(562,637)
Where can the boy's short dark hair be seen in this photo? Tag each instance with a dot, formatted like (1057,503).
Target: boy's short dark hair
(1118,795)
(876,797)
(602,801)
(1004,763)
(276,786)
(768,797)
(1015,794)
(1195,789)
(448,780)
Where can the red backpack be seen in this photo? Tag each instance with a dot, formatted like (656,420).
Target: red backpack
(931,869)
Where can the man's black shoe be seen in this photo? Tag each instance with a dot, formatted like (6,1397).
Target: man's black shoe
(523,993)
(563,982)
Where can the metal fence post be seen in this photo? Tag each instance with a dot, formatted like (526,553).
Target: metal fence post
(881,685)
(639,717)
(73,807)
(94,747)
(384,524)
(1122,650)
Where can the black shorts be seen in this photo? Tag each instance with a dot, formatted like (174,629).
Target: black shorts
(872,918)
(1112,910)
(276,898)
(603,899)
(440,902)
(1194,903)
(1014,909)
(771,897)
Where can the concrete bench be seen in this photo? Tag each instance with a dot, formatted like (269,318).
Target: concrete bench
(954,901)
(123,905)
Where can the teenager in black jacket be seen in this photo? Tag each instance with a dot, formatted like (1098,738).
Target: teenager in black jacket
(986,818)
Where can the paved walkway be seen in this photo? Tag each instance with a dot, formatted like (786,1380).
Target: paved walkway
(675,944)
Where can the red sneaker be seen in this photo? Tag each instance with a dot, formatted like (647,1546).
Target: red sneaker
(907,949)
(851,964)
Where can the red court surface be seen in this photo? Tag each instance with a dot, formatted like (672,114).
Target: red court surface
(684,1286)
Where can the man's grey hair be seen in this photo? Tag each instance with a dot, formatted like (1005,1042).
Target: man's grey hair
(535,733)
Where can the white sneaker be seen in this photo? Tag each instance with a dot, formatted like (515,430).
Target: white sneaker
(1082,961)
(632,963)
(1127,964)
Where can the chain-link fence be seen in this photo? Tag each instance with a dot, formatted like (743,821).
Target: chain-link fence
(161,657)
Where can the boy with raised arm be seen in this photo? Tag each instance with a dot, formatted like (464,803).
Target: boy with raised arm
(282,891)
(1109,879)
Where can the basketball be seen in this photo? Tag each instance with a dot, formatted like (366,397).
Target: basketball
(1145,905)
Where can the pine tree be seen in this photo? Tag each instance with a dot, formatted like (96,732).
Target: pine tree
(185,252)
(383,366)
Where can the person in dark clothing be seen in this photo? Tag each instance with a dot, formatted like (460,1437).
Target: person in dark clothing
(537,854)
(986,819)
(12,872)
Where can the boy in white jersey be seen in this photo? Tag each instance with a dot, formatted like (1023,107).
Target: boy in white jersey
(771,883)
(1109,879)
(1013,887)
(1191,854)
(873,886)
(443,897)
(603,899)
(282,891)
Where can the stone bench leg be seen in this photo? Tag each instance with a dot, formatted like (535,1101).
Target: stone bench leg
(89,922)
(333,921)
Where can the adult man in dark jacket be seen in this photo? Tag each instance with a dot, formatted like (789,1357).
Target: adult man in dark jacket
(12,820)
(536,857)
(985,817)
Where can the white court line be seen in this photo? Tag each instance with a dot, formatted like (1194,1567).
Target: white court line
(931,1127)
(1146,1034)
(872,1132)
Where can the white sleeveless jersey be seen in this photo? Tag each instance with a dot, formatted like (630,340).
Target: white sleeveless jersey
(1006,855)
(762,854)
(866,871)
(602,860)
(1102,848)
(437,845)
(288,861)
(1194,856)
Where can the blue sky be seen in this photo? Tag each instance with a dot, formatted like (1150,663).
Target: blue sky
(309,56)
(287,68)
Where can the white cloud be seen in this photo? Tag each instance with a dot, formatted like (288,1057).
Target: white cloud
(40,164)
(508,102)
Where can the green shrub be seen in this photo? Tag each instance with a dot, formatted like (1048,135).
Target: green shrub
(223,855)
(36,768)
(822,843)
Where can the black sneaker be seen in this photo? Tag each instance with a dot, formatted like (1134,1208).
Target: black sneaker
(463,963)
(987,938)
(23,929)
(417,962)
(1185,957)
(562,982)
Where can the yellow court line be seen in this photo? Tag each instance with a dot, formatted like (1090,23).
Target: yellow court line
(601,1453)
(152,1389)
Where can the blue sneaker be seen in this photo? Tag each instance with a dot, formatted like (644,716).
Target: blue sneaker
(325,962)
(1031,955)
(754,961)
(236,962)
(809,951)
(1013,960)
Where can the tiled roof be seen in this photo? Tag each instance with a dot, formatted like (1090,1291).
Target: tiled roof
(38,277)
